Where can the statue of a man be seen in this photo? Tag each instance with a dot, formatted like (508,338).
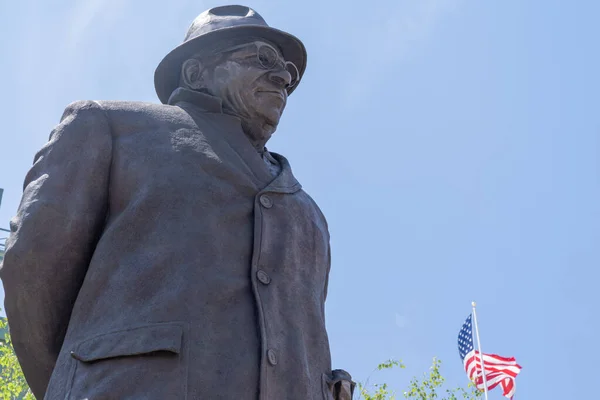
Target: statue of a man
(161,252)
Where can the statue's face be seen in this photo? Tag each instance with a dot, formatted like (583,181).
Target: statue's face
(251,80)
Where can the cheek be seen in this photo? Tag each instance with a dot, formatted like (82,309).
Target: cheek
(236,80)
(225,75)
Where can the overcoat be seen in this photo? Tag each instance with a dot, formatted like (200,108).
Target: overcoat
(154,256)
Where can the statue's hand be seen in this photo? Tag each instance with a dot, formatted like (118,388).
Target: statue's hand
(341,385)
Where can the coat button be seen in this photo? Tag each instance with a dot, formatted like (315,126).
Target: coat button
(266,201)
(272,357)
(263,277)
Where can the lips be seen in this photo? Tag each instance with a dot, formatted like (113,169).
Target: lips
(274,93)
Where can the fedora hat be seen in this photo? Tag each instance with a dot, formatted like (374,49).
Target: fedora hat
(225,22)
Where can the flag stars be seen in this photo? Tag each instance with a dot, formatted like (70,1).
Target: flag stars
(465,339)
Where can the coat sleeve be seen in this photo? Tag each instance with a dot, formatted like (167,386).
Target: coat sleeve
(53,236)
(326,285)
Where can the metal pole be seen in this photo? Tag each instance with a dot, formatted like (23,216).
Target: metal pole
(480,352)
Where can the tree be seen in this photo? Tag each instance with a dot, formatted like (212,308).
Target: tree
(427,388)
(12,382)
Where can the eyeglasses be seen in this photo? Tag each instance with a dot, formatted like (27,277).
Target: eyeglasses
(268,58)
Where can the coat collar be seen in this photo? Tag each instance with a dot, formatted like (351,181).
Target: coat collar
(285,182)
(204,101)
(230,128)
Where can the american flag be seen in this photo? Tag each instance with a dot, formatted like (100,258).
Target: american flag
(498,370)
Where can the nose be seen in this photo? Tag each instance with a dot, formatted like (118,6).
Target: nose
(281,77)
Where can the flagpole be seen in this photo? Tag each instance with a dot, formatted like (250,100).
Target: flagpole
(480,352)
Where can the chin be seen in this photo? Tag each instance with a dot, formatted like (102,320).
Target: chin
(272,117)
(268,130)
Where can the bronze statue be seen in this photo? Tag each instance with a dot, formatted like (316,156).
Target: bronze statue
(162,252)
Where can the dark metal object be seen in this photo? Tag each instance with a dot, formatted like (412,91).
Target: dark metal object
(158,256)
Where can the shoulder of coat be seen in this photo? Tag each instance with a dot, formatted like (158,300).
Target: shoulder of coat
(136,107)
(127,117)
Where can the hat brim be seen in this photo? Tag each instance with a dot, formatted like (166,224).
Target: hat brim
(168,72)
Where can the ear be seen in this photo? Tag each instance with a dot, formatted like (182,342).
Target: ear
(191,74)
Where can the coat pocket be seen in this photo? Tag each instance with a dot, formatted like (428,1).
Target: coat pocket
(146,362)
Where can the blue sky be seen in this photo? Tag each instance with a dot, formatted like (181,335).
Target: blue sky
(454,146)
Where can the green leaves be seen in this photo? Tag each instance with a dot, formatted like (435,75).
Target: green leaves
(389,364)
(12,382)
(429,387)
(381,390)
